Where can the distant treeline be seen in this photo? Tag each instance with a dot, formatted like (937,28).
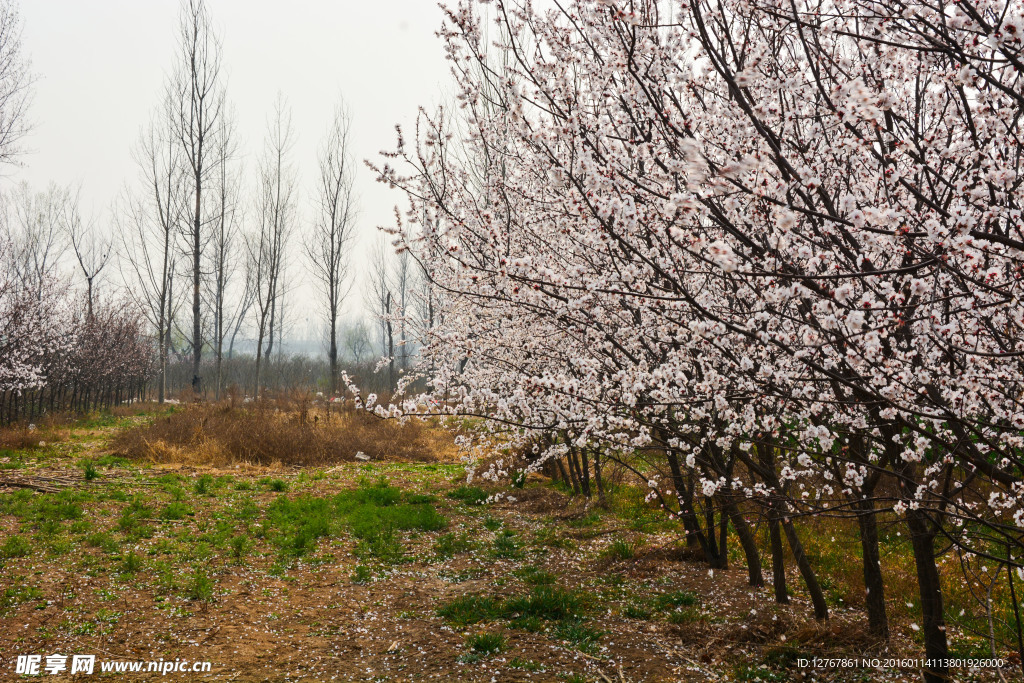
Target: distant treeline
(276,375)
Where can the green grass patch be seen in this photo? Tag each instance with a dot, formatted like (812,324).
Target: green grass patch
(361,574)
(131,563)
(486,643)
(374,513)
(635,611)
(543,603)
(204,485)
(470,495)
(199,587)
(175,510)
(579,635)
(549,603)
(449,545)
(15,546)
(620,549)
(89,470)
(666,601)
(18,593)
(470,609)
(102,540)
(535,577)
(506,546)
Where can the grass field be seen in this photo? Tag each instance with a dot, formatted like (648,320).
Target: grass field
(392,568)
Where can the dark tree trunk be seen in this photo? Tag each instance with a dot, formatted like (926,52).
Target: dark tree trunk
(874,585)
(778,559)
(749,545)
(936,647)
(806,571)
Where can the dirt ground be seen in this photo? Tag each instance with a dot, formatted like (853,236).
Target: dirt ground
(177,587)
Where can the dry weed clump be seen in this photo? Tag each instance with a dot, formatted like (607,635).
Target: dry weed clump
(27,437)
(271,432)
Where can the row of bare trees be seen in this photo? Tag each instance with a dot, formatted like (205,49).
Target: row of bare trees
(209,254)
(193,216)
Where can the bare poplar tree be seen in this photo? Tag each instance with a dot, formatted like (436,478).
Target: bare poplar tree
(223,238)
(15,84)
(148,230)
(266,246)
(329,244)
(196,99)
(92,249)
(381,302)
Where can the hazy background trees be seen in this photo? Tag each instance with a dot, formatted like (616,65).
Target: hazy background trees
(196,97)
(15,84)
(231,268)
(329,244)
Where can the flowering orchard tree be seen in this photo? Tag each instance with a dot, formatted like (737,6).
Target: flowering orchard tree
(779,243)
(32,330)
(57,355)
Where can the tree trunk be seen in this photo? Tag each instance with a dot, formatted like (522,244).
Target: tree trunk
(197,342)
(749,545)
(334,349)
(806,571)
(778,559)
(936,648)
(874,585)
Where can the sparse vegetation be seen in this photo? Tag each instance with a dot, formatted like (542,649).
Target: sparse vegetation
(178,537)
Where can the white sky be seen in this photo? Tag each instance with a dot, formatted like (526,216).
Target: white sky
(101,68)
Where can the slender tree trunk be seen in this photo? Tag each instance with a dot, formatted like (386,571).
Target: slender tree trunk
(197,245)
(334,349)
(259,362)
(806,571)
(874,585)
(684,496)
(778,558)
(749,545)
(936,647)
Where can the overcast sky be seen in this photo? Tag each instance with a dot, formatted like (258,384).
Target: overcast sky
(102,64)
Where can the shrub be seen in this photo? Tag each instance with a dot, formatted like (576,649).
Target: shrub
(361,574)
(131,563)
(89,470)
(200,586)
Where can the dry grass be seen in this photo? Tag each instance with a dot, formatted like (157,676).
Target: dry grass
(272,433)
(22,437)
